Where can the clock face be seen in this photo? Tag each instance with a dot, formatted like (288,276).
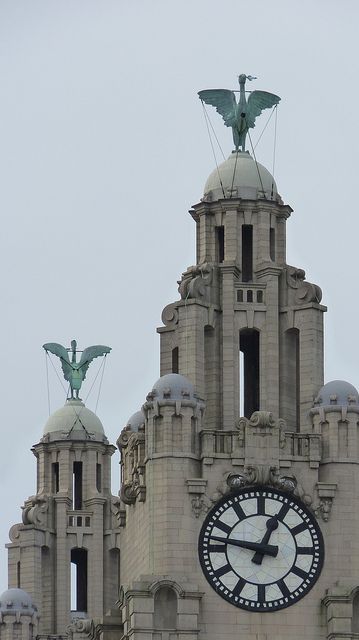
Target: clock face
(261,549)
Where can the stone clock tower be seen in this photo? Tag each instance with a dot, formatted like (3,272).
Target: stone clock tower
(239,501)
(239,475)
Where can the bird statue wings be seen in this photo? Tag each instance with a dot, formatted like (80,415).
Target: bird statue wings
(75,372)
(239,116)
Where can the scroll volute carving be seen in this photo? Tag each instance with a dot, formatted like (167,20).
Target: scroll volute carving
(35,510)
(305,292)
(196,281)
(132,447)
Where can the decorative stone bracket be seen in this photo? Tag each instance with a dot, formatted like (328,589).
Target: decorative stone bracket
(35,510)
(326,492)
(200,503)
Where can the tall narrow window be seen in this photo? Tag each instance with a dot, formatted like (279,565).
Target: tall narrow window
(272,244)
(79,580)
(98,477)
(77,485)
(249,346)
(219,244)
(175,363)
(18,575)
(55,477)
(247,252)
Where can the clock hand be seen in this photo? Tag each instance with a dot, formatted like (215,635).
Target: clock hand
(259,547)
(271,524)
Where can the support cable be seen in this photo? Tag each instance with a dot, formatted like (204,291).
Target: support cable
(213,151)
(255,160)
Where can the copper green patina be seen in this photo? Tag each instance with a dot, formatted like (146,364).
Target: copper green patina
(241,115)
(75,372)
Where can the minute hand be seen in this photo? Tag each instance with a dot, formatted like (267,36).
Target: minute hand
(265,549)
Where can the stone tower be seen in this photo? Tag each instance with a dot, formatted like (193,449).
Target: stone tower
(238,508)
(70,522)
(239,443)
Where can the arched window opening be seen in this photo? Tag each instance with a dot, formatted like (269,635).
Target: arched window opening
(55,477)
(355,617)
(249,364)
(259,296)
(219,244)
(98,477)
(249,295)
(247,252)
(175,360)
(165,606)
(79,580)
(77,485)
(239,295)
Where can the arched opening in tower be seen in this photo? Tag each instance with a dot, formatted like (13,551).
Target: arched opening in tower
(79,579)
(249,366)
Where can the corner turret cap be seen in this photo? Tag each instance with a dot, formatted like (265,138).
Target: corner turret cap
(172,386)
(74,421)
(240,177)
(337,393)
(136,421)
(16,600)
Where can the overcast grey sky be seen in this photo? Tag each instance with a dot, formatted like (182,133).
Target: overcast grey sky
(103,149)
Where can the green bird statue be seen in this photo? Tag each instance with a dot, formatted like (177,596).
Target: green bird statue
(239,116)
(75,372)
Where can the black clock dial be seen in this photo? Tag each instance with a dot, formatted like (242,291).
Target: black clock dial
(261,549)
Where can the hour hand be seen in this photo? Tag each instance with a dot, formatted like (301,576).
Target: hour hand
(265,549)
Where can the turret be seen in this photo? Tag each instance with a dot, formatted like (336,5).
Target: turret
(18,616)
(66,552)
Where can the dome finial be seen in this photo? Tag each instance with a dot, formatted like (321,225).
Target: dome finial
(75,372)
(239,116)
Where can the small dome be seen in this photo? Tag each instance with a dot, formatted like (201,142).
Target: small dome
(74,421)
(173,386)
(16,600)
(337,393)
(136,421)
(240,177)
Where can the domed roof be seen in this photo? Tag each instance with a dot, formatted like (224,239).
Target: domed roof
(173,386)
(337,393)
(16,600)
(74,421)
(240,177)
(136,421)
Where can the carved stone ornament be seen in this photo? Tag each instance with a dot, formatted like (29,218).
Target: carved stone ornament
(259,475)
(35,510)
(195,281)
(14,532)
(306,291)
(117,512)
(83,626)
(326,492)
(170,315)
(200,505)
(263,420)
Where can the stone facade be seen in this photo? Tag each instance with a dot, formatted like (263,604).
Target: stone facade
(240,404)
